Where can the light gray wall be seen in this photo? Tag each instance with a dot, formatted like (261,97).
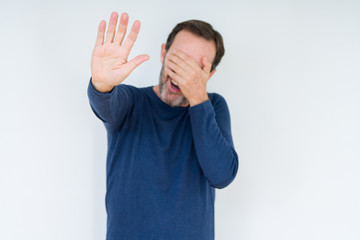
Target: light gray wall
(291,79)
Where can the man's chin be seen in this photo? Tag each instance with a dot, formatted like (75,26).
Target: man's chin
(173,100)
(170,98)
(179,103)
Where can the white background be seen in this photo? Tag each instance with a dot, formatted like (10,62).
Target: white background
(290,75)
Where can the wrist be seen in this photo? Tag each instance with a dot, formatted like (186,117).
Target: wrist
(101,87)
(199,100)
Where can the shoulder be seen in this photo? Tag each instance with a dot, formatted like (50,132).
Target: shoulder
(127,88)
(130,91)
(217,100)
(134,89)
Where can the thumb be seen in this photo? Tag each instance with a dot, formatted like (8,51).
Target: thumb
(131,65)
(206,64)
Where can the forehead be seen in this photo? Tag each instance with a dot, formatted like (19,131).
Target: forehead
(193,45)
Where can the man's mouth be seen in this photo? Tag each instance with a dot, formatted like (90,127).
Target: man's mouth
(174,87)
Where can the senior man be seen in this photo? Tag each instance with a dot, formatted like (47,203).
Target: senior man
(169,145)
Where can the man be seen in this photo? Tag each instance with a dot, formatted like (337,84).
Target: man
(170,145)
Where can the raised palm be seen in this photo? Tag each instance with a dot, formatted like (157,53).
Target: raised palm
(109,65)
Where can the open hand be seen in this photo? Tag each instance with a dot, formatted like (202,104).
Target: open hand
(109,65)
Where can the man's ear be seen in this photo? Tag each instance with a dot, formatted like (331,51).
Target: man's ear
(163,52)
(212,72)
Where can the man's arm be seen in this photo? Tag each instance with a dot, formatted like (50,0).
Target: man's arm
(210,123)
(213,141)
(109,68)
(112,107)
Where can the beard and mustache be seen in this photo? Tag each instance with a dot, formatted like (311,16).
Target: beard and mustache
(172,99)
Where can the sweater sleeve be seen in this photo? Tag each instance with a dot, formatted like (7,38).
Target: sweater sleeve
(211,129)
(111,107)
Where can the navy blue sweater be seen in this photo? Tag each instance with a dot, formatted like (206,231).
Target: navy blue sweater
(163,163)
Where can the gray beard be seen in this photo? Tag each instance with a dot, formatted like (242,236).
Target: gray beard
(177,102)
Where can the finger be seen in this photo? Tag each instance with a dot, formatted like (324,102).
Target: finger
(186,58)
(131,65)
(111,28)
(176,68)
(100,33)
(124,19)
(206,64)
(175,77)
(131,38)
(179,61)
